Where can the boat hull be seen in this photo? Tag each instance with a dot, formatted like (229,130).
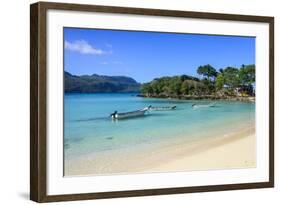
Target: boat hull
(132,114)
(162,108)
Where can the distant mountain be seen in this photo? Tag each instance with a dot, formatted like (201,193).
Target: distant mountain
(99,84)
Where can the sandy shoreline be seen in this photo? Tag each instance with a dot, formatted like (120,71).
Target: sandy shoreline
(228,151)
(224,153)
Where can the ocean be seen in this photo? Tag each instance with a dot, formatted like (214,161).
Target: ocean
(89,129)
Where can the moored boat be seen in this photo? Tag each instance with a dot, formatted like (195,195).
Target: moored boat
(203,105)
(124,115)
(162,108)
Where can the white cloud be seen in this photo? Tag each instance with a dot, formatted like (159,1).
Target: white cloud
(83,47)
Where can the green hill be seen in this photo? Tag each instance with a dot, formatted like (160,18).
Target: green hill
(99,84)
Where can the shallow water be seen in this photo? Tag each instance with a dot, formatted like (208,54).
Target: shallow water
(88,128)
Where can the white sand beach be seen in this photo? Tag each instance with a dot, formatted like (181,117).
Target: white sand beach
(220,153)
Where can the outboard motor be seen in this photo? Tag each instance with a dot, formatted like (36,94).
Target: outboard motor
(113,115)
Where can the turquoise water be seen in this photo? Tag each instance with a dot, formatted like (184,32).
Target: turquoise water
(89,129)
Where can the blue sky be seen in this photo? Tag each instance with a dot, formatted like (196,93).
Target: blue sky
(147,55)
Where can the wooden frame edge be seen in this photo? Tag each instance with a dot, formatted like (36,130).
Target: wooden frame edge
(154,192)
(38,175)
(37,102)
(34,102)
(153,12)
(271,100)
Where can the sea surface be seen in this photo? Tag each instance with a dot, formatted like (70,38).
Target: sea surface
(89,129)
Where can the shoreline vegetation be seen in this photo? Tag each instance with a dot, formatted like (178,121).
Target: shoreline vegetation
(230,83)
(226,84)
(203,97)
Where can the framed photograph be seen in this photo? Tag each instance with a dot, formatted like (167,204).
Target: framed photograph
(134,102)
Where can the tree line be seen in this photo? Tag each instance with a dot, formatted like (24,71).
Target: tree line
(229,81)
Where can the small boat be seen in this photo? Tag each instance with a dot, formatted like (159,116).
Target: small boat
(203,106)
(162,108)
(125,115)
